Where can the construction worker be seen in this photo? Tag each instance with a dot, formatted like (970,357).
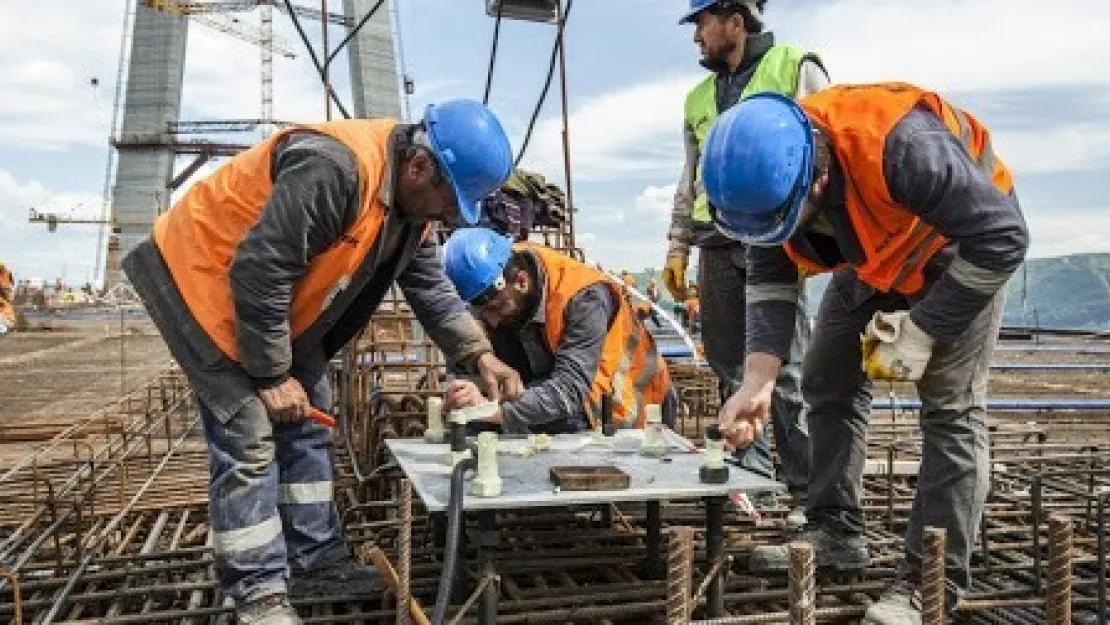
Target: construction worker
(902,196)
(565,326)
(262,272)
(742,59)
(7,310)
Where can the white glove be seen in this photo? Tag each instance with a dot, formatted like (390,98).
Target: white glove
(3,328)
(894,348)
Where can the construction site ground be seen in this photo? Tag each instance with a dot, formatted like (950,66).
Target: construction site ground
(103,502)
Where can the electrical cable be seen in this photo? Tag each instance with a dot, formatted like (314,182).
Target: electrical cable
(493,51)
(354,31)
(546,86)
(315,59)
(455,523)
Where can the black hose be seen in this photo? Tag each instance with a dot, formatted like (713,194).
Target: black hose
(354,31)
(455,524)
(546,85)
(493,51)
(315,59)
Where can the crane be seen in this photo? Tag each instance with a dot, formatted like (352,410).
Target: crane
(53,219)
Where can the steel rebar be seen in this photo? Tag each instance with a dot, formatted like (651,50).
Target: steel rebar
(680,571)
(1059,583)
(933,577)
(803,598)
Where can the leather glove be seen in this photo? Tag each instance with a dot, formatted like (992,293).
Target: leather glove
(674,275)
(894,348)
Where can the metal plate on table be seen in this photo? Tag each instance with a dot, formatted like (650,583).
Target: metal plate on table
(602,477)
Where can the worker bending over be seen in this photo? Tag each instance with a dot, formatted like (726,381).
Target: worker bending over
(742,59)
(261,273)
(902,195)
(565,327)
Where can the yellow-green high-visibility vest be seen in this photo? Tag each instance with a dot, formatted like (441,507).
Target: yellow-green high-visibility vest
(777,72)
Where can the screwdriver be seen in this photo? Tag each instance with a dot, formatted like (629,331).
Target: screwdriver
(321,417)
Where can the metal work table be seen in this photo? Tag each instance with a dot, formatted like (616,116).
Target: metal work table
(526,484)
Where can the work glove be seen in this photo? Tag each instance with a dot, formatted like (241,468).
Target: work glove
(894,348)
(674,275)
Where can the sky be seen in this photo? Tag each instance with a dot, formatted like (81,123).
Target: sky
(1033,72)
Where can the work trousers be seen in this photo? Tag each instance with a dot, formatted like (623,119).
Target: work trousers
(954,475)
(722,280)
(271,506)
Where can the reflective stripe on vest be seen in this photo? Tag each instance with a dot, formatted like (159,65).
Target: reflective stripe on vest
(630,366)
(199,236)
(777,72)
(856,119)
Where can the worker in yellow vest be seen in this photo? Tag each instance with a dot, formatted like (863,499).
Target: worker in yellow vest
(566,327)
(261,273)
(742,58)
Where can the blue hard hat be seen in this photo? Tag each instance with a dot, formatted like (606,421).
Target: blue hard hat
(696,6)
(475,259)
(757,167)
(472,148)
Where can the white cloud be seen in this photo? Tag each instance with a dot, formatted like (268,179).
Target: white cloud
(954,45)
(1062,232)
(1069,148)
(655,203)
(628,133)
(30,249)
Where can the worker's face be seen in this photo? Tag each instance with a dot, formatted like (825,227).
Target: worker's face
(507,306)
(718,35)
(424,194)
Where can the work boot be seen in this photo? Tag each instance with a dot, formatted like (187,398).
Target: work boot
(900,604)
(271,610)
(835,551)
(346,577)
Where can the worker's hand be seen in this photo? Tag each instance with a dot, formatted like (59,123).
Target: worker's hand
(674,275)
(502,382)
(462,394)
(742,417)
(286,402)
(894,348)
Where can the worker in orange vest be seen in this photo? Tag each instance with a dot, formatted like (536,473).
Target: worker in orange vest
(7,310)
(901,194)
(261,273)
(566,327)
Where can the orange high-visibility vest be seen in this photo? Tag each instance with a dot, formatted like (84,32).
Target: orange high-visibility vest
(630,366)
(856,119)
(199,236)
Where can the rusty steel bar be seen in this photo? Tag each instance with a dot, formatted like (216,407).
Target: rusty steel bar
(933,577)
(803,597)
(680,572)
(404,556)
(1059,584)
(17,599)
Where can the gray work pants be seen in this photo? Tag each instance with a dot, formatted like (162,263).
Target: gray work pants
(722,279)
(954,474)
